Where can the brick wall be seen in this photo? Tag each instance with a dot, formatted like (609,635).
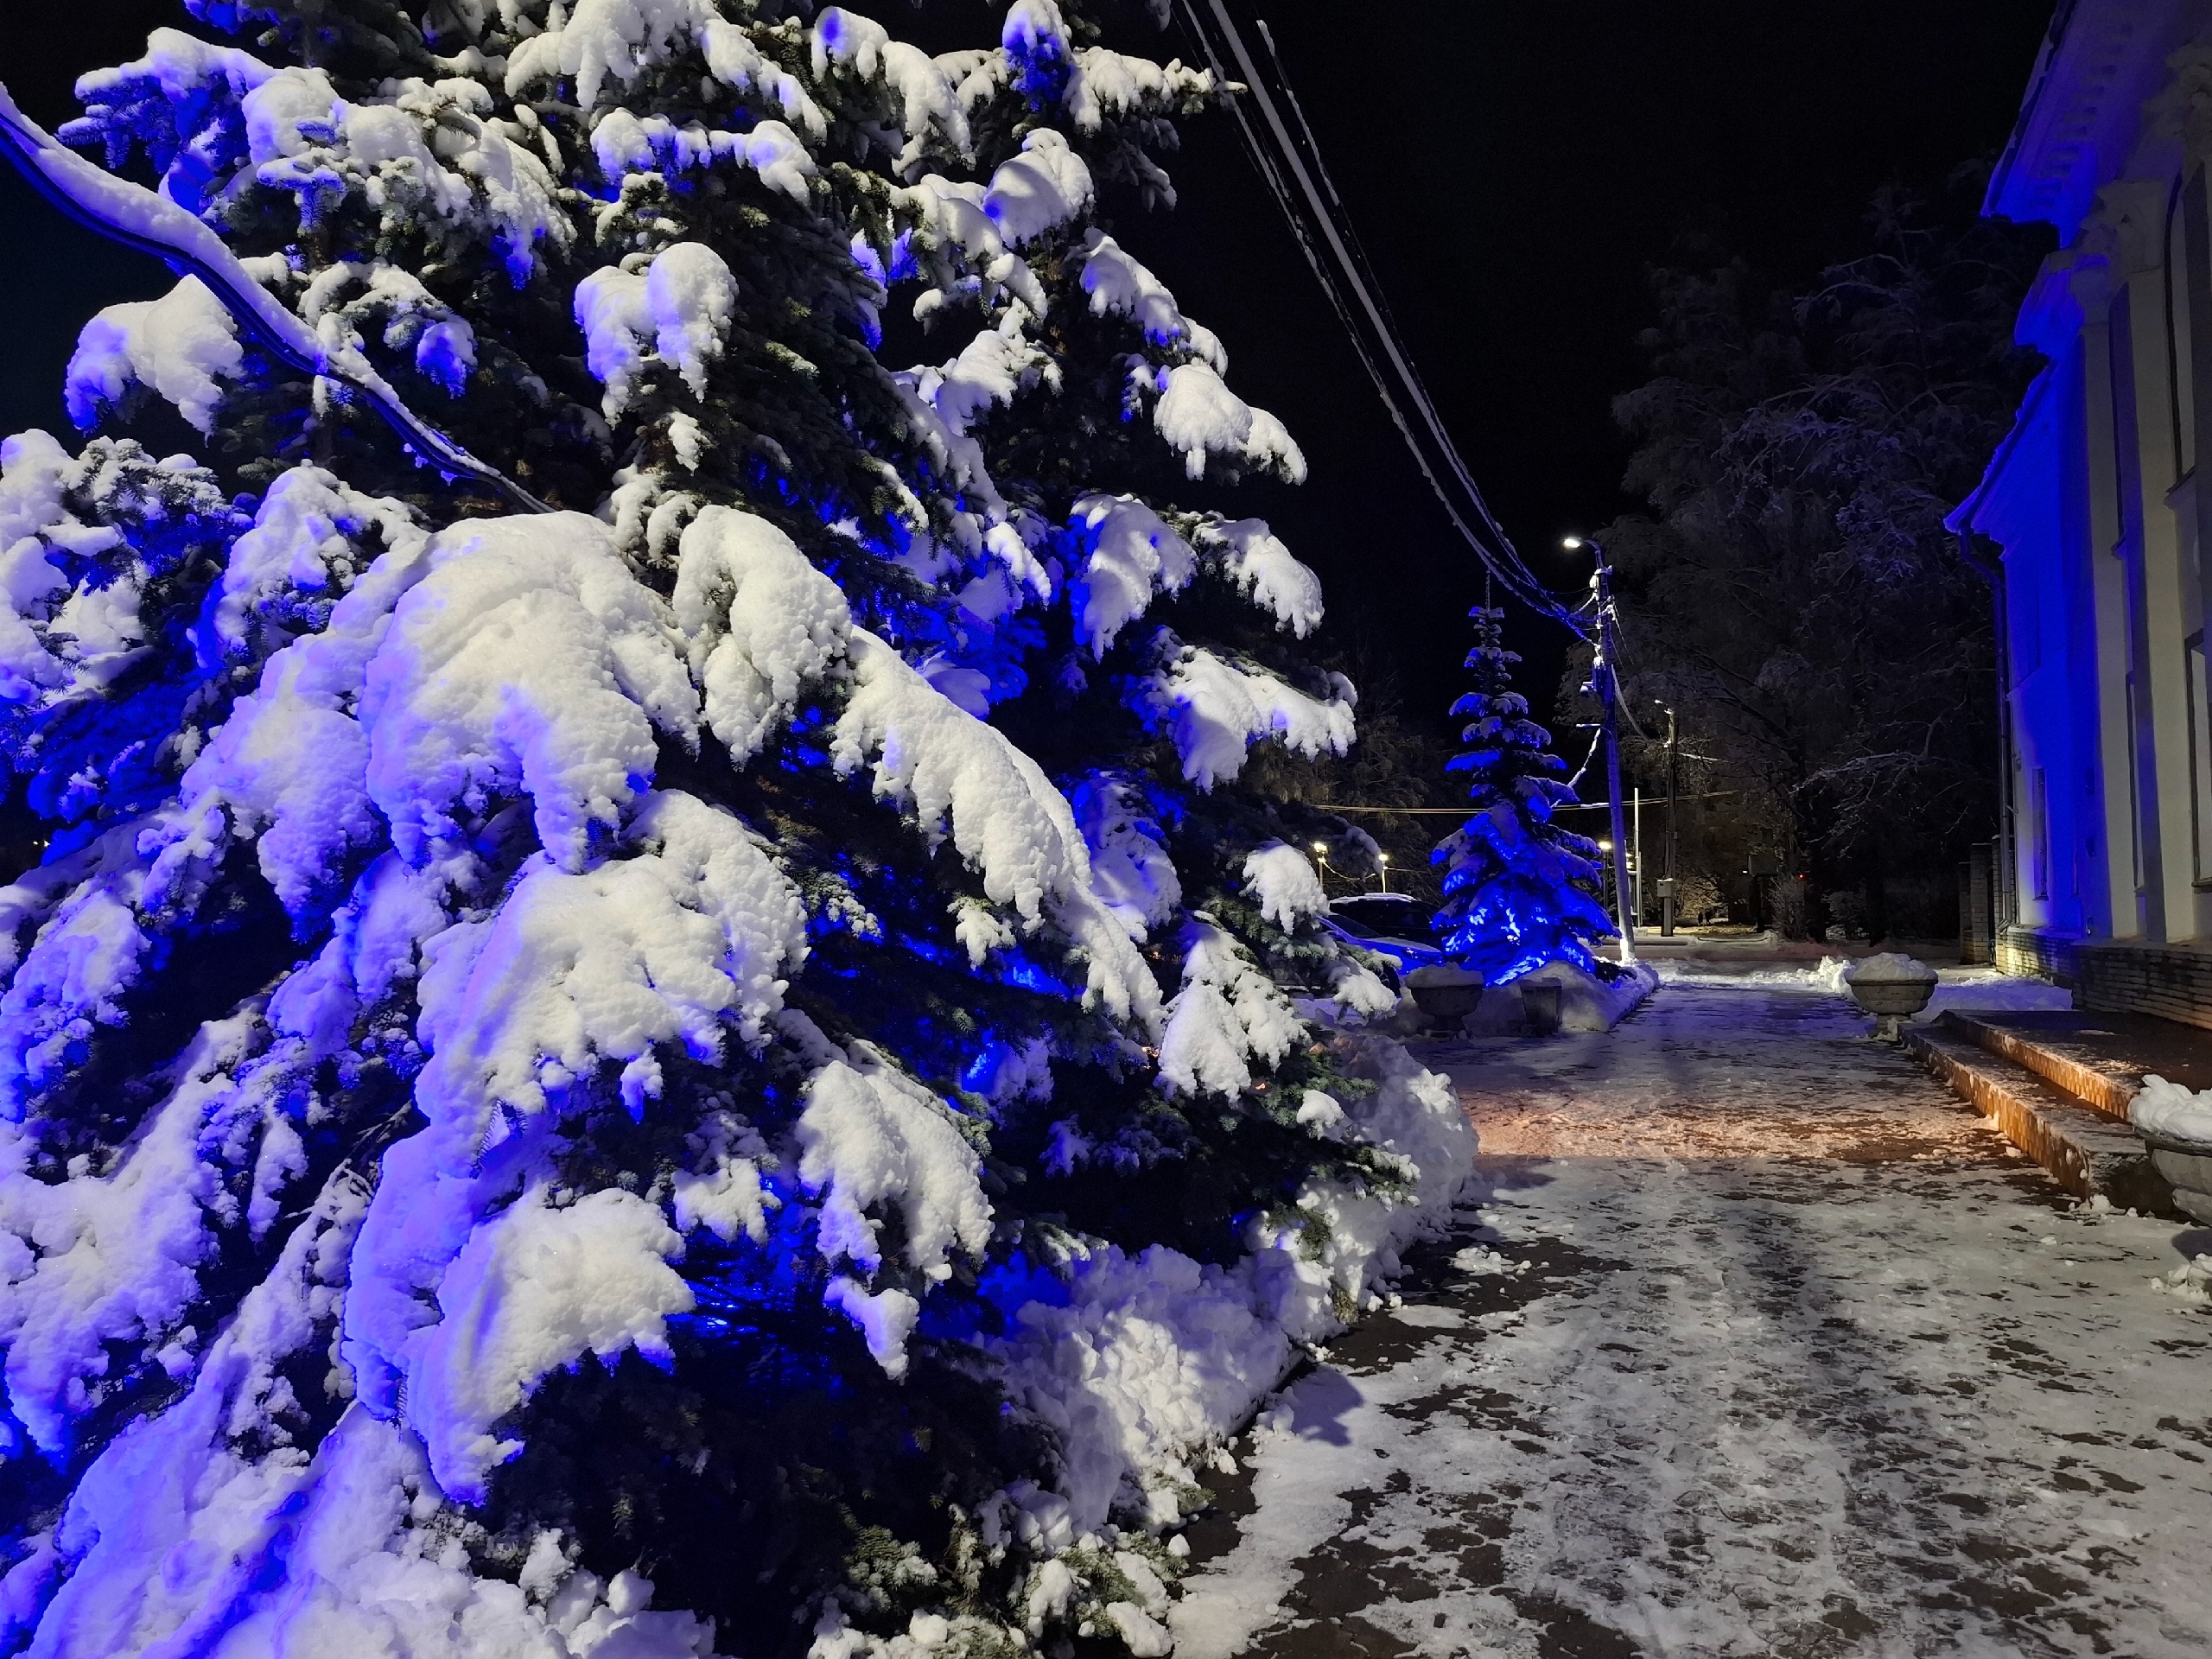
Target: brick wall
(2172,981)
(2039,953)
(1977,908)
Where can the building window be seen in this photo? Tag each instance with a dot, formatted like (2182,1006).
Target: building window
(2134,788)
(2038,834)
(2023,604)
(2199,757)
(2180,366)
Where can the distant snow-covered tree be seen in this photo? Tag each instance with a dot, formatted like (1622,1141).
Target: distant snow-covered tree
(1519,890)
(1792,591)
(652,1015)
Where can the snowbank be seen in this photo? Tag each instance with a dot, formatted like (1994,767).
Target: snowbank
(1995,992)
(1588,1003)
(1967,988)
(1142,1362)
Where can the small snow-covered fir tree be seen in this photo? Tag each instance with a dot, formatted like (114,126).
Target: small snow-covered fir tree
(1519,890)
(647,955)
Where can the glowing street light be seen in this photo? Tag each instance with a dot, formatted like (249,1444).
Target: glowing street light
(1385,858)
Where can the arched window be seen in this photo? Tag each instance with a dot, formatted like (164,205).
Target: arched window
(2180,364)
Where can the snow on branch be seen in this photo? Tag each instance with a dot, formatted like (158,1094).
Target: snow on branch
(953,770)
(1216,709)
(138,217)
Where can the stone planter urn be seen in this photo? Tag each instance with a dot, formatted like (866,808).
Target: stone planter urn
(2175,1125)
(1445,994)
(1893,988)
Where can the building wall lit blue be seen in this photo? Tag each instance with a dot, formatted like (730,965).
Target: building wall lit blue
(2090,504)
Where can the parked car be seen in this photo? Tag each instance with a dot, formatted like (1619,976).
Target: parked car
(1390,925)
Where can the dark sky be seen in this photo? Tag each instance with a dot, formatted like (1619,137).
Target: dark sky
(1515,169)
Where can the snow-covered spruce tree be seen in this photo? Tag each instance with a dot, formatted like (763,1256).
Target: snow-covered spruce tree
(718,1066)
(1520,891)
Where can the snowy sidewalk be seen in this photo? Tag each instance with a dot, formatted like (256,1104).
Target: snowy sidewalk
(1762,1345)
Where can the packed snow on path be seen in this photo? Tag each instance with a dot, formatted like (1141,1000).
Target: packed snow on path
(1761,1344)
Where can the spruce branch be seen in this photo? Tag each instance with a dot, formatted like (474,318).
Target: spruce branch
(141,218)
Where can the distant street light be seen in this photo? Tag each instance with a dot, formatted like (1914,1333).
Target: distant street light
(1321,858)
(1384,860)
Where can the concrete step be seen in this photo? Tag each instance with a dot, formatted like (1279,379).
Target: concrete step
(2097,1079)
(2085,1151)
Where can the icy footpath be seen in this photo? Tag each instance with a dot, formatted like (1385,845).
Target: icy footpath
(1759,1344)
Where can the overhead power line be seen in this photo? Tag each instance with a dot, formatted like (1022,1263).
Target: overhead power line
(1324,230)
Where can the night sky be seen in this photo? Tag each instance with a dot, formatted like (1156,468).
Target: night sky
(1514,167)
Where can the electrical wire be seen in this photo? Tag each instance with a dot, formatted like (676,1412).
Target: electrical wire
(1346,277)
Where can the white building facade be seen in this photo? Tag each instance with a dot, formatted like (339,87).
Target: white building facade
(2090,510)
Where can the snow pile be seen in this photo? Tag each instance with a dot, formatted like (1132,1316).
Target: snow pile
(1116,281)
(1991,991)
(1482,1261)
(2190,1285)
(1145,1360)
(1284,883)
(1131,870)
(2167,1112)
(1889,965)
(1825,975)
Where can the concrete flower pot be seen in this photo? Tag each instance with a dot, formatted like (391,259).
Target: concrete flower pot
(1446,994)
(2175,1125)
(2189,1169)
(1893,989)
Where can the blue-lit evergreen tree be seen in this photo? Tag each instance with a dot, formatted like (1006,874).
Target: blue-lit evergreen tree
(640,909)
(1519,890)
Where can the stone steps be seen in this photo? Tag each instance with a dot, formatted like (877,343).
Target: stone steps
(2086,1148)
(2104,1087)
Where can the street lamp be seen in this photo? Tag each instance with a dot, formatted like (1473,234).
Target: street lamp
(1607,680)
(1667,882)
(1384,861)
(1321,857)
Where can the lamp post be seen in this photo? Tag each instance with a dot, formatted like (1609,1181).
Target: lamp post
(1606,679)
(1383,869)
(1321,858)
(1667,887)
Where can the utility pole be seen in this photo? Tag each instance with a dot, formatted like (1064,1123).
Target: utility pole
(1605,680)
(1666,888)
(1637,830)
